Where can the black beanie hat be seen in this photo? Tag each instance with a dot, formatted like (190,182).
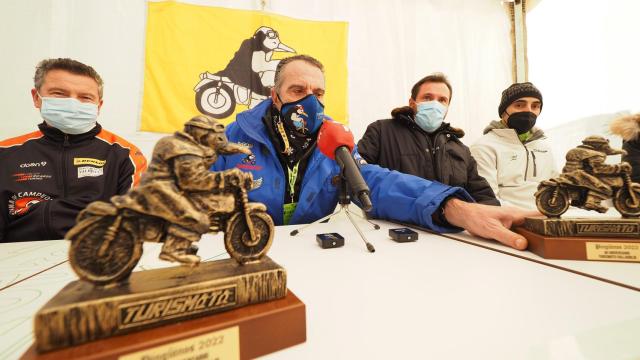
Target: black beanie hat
(517,91)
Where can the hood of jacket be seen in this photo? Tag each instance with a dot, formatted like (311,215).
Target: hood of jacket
(627,127)
(406,115)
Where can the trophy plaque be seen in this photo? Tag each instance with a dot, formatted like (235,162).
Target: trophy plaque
(233,308)
(583,239)
(586,180)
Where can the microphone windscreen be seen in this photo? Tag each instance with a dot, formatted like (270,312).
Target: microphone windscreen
(332,135)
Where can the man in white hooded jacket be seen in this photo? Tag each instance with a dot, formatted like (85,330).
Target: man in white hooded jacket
(513,155)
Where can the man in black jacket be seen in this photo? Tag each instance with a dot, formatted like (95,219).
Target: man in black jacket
(417,141)
(49,175)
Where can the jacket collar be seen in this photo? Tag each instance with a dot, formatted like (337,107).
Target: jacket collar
(406,115)
(500,129)
(250,122)
(55,135)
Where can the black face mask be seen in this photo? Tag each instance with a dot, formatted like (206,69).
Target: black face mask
(522,122)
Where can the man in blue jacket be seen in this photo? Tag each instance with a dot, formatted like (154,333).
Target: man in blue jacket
(294,179)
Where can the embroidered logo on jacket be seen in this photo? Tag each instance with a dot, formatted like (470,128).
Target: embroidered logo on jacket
(20,203)
(33,164)
(89,161)
(250,159)
(22,177)
(90,171)
(249,163)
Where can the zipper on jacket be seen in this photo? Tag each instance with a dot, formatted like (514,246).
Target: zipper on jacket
(535,168)
(65,145)
(526,168)
(433,148)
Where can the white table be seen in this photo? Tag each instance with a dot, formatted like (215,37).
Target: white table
(623,274)
(19,261)
(619,273)
(434,298)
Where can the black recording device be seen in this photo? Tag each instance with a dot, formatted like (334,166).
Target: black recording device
(403,235)
(330,240)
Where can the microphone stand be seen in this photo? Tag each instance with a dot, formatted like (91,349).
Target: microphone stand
(344,199)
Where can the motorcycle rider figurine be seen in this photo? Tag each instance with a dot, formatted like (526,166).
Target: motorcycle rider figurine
(586,167)
(179,188)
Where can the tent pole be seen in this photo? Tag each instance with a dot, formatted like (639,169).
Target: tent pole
(520,41)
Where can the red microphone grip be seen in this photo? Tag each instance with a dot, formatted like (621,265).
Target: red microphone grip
(333,135)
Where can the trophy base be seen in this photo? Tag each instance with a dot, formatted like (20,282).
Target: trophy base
(582,248)
(82,312)
(263,328)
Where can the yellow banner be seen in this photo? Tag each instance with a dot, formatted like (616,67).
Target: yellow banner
(220,62)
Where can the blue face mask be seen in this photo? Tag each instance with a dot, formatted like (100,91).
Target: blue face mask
(68,114)
(305,115)
(430,115)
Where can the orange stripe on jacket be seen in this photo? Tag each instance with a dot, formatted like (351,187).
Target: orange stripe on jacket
(135,155)
(19,140)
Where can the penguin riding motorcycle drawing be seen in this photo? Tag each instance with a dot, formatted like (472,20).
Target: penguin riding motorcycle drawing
(247,78)
(178,200)
(586,181)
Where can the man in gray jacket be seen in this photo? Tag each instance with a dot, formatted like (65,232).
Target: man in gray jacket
(513,155)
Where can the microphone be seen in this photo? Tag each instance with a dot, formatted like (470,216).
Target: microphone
(336,142)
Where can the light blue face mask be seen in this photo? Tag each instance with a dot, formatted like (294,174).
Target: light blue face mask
(430,115)
(68,114)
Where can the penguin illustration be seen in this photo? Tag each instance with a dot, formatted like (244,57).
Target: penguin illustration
(298,120)
(251,66)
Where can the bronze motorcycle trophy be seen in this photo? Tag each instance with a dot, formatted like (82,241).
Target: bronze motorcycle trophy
(585,182)
(178,200)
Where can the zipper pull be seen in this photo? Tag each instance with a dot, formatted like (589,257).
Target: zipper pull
(66,140)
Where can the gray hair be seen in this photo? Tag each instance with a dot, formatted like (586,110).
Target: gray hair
(70,65)
(306,58)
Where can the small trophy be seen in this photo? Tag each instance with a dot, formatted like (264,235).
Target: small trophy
(178,200)
(586,181)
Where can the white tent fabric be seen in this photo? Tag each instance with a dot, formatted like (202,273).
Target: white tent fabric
(392,44)
(583,55)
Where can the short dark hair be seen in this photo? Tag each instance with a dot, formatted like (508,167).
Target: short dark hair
(437,77)
(306,58)
(70,65)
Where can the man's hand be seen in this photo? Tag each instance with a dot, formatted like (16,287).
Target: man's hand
(491,222)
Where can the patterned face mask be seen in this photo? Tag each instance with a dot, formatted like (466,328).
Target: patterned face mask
(305,115)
